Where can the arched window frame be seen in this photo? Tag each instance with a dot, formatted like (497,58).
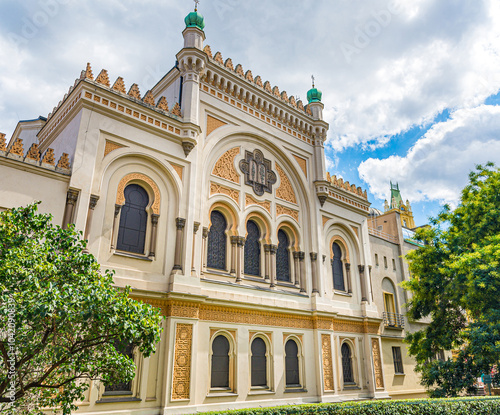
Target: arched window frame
(152,210)
(269,362)
(300,355)
(354,364)
(264,229)
(293,246)
(226,235)
(344,260)
(230,336)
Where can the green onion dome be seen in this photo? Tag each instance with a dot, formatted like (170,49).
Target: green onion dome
(314,95)
(195,19)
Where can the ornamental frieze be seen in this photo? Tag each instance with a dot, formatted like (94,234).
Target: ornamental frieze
(258,172)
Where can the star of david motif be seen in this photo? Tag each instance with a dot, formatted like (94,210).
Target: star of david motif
(258,173)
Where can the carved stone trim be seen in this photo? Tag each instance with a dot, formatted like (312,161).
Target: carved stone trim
(338,238)
(224,167)
(216,188)
(302,163)
(179,169)
(187,146)
(325,219)
(377,364)
(110,146)
(214,123)
(326,353)
(283,210)
(249,200)
(285,191)
(258,172)
(120,195)
(182,361)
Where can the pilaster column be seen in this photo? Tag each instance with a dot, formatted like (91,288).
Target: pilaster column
(239,258)
(302,266)
(90,214)
(348,277)
(296,268)
(204,236)
(154,232)
(179,223)
(314,269)
(363,282)
(272,251)
(196,226)
(370,278)
(116,225)
(71,198)
(234,249)
(267,260)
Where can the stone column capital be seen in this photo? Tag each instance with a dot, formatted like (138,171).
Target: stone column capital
(154,219)
(93,201)
(180,223)
(204,233)
(196,226)
(71,197)
(314,256)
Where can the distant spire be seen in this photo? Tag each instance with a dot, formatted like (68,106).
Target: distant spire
(196,2)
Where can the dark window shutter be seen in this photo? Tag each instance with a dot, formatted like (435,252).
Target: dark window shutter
(259,363)
(347,364)
(220,362)
(252,249)
(133,220)
(337,269)
(283,257)
(292,363)
(216,252)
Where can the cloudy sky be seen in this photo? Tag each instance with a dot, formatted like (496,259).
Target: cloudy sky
(411,88)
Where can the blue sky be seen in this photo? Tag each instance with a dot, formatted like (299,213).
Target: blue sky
(411,89)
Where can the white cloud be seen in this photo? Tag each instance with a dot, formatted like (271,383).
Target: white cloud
(437,166)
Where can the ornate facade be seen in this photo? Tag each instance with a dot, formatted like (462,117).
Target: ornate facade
(217,208)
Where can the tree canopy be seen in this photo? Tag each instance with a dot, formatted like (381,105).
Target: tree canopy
(456,282)
(60,317)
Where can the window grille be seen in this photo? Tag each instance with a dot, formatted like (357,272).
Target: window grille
(220,362)
(216,252)
(252,249)
(337,268)
(398,361)
(283,257)
(347,371)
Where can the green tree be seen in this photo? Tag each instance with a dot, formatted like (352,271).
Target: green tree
(456,282)
(60,317)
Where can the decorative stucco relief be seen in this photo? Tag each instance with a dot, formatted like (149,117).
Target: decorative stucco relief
(326,351)
(216,188)
(249,200)
(285,191)
(224,167)
(377,364)
(182,361)
(120,195)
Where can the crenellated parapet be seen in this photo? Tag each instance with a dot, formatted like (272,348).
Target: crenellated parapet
(345,185)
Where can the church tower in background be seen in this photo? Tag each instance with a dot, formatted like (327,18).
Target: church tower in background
(403,208)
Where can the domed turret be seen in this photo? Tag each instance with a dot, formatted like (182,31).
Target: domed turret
(314,95)
(195,19)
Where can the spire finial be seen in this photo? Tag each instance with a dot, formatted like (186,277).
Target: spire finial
(196,2)
(312,78)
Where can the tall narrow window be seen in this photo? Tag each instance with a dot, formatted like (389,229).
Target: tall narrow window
(283,257)
(259,363)
(121,388)
(216,252)
(347,371)
(220,362)
(393,264)
(337,268)
(398,361)
(252,249)
(385,262)
(133,220)
(376,260)
(292,364)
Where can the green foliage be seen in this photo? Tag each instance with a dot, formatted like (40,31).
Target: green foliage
(60,317)
(477,406)
(456,281)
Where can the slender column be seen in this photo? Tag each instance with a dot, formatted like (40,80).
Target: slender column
(239,258)
(116,225)
(90,214)
(71,198)
(267,260)
(361,268)
(204,236)
(296,268)
(154,229)
(348,277)
(234,249)
(302,264)
(196,226)
(179,223)
(314,269)
(272,251)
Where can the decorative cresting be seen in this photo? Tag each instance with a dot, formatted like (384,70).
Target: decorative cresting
(338,238)
(120,195)
(339,183)
(182,361)
(216,188)
(224,167)
(326,352)
(249,200)
(285,191)
(258,173)
(377,364)
(110,146)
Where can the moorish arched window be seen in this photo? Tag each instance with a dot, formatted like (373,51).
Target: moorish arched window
(347,371)
(292,364)
(337,268)
(283,257)
(133,220)
(220,362)
(216,249)
(259,363)
(252,249)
